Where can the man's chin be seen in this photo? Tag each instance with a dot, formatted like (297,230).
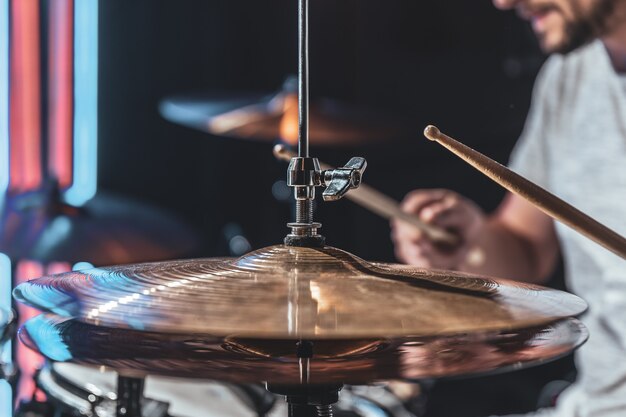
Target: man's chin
(564,45)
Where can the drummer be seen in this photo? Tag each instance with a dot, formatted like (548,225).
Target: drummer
(573,144)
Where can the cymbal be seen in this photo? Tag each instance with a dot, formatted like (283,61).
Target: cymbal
(138,353)
(292,293)
(270,117)
(107,230)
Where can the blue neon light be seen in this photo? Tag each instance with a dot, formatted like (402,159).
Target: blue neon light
(85,103)
(6,394)
(6,399)
(4,97)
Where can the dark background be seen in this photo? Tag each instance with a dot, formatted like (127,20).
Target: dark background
(460,64)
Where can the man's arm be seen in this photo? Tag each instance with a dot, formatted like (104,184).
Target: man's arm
(518,241)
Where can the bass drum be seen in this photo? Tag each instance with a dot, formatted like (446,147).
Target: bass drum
(79,391)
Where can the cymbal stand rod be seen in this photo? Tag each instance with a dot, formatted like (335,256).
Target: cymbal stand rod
(304,207)
(303,79)
(304,173)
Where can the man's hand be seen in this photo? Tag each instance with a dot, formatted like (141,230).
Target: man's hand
(445,209)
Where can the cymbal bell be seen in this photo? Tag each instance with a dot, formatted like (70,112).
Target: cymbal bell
(270,117)
(139,353)
(292,293)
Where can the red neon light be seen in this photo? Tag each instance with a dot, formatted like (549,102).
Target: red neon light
(25,100)
(61,99)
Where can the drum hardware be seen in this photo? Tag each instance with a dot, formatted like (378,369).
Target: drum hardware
(305,398)
(304,173)
(308,400)
(537,196)
(381,204)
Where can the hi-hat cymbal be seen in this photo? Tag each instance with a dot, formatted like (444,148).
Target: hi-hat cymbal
(358,361)
(268,118)
(291,293)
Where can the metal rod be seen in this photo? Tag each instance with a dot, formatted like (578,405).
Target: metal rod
(537,196)
(303,79)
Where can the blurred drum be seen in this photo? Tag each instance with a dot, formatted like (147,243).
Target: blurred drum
(78,391)
(74,390)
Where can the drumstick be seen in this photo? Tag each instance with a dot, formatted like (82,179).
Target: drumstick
(542,199)
(382,205)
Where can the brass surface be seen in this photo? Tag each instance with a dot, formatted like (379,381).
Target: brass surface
(291,293)
(135,353)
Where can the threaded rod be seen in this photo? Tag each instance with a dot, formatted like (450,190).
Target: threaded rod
(324,410)
(304,211)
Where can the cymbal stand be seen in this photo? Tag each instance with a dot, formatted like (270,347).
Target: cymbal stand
(308,400)
(304,172)
(304,175)
(132,403)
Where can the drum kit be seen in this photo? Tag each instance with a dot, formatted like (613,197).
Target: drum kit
(302,319)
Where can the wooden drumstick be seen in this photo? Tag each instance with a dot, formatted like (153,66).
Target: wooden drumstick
(539,197)
(382,205)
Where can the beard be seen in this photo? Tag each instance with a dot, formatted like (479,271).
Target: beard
(587,26)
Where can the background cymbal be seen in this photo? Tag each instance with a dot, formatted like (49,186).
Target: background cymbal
(291,293)
(136,353)
(107,230)
(268,118)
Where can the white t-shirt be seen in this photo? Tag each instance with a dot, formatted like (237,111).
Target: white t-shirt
(574,144)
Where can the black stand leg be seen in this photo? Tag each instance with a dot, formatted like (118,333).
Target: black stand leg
(308,400)
(129,396)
